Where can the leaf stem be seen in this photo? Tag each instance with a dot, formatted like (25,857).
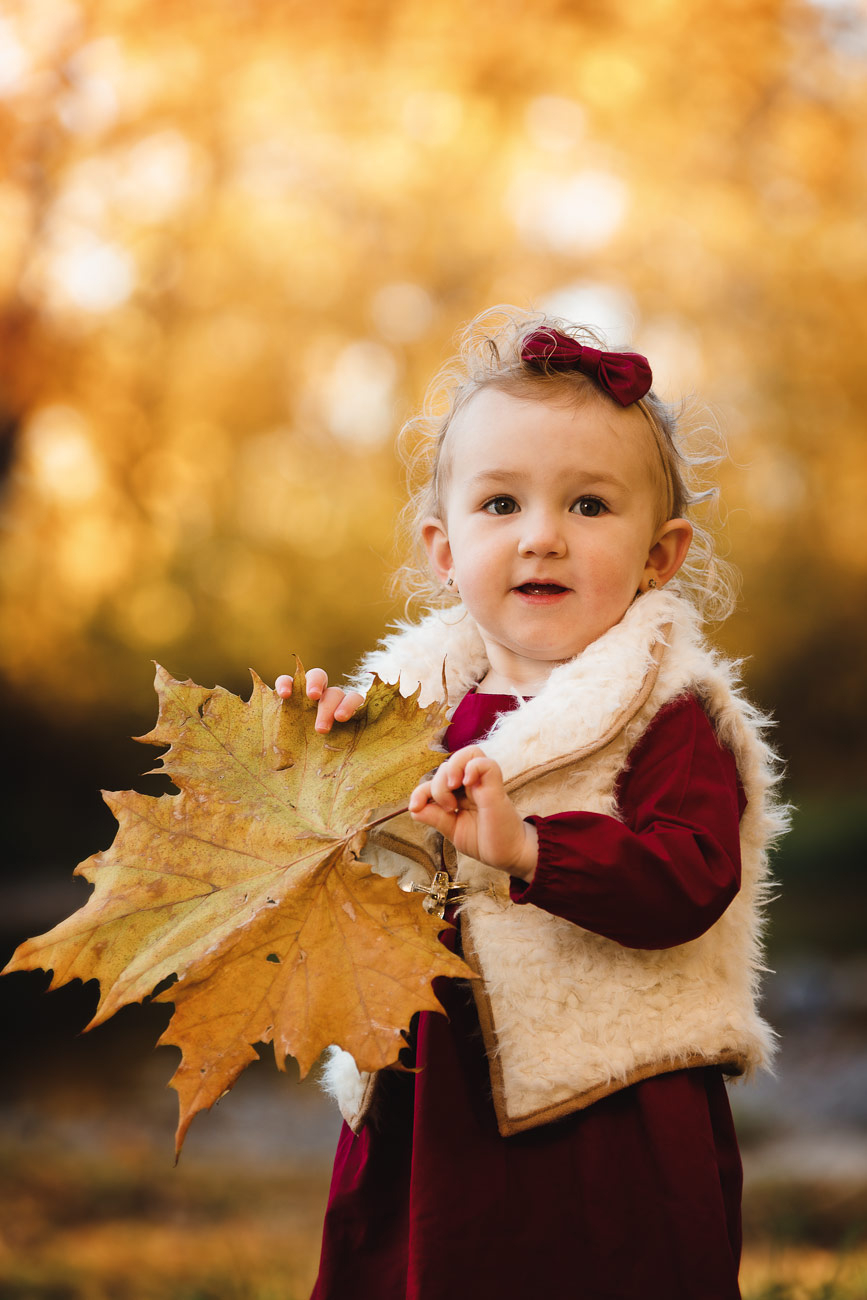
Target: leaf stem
(368,826)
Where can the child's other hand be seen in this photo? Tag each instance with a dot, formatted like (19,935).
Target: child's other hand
(466,801)
(335,705)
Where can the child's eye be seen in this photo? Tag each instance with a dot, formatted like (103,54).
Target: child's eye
(501,506)
(589,506)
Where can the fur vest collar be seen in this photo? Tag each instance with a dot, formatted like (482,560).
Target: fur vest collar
(581,696)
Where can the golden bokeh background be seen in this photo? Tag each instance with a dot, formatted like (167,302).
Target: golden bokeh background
(237,236)
(236,240)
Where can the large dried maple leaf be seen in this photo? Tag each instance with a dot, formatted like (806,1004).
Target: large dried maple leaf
(248,887)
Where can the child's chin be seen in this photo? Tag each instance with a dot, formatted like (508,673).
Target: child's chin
(544,651)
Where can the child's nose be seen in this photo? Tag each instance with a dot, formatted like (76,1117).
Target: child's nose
(542,534)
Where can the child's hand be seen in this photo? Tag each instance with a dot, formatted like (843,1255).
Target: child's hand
(335,705)
(480,818)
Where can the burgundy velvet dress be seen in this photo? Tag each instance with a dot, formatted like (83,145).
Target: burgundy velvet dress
(638,1196)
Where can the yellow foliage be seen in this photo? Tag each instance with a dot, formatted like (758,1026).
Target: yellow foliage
(235,243)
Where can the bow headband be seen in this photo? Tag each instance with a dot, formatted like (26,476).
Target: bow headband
(625,376)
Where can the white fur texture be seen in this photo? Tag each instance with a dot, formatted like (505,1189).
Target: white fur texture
(571,1012)
(341,1078)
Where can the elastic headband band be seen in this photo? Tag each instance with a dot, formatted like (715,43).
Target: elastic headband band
(663,449)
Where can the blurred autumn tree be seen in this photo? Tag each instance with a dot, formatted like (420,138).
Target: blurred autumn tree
(236,236)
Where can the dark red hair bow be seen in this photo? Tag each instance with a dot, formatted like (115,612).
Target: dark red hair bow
(625,376)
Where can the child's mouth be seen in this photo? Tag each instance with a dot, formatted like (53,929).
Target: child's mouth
(542,589)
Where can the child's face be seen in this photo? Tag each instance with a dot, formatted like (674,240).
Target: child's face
(551,524)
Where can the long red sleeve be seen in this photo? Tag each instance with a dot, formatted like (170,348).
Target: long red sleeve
(665,872)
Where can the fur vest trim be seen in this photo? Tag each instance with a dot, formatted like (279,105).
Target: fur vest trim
(567,1015)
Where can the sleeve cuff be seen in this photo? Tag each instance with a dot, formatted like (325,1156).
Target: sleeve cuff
(526,891)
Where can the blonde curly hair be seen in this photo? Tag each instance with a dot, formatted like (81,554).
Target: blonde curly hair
(489,356)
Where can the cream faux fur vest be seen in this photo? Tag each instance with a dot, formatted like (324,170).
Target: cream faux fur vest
(567,1015)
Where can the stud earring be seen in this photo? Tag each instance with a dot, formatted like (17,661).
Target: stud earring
(651,584)
(450,582)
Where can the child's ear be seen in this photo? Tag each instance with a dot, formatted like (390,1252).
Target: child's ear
(436,541)
(667,553)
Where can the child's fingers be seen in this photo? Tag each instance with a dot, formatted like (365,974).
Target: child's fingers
(475,769)
(350,704)
(424,808)
(335,705)
(432,815)
(464,767)
(445,781)
(420,797)
(455,767)
(430,796)
(484,773)
(448,779)
(315,683)
(329,703)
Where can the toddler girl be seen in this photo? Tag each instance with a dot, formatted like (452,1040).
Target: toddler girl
(604,814)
